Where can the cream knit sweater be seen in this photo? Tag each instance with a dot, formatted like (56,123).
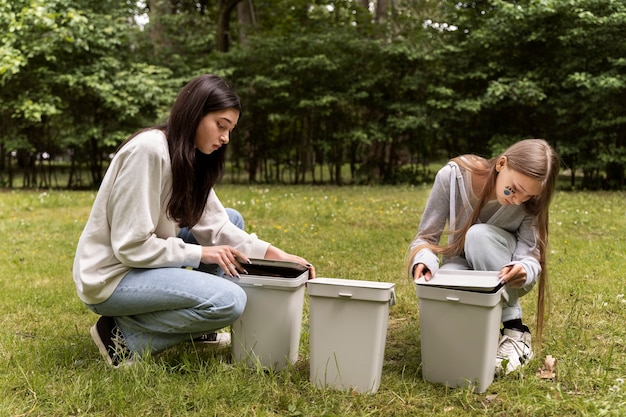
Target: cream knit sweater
(128,226)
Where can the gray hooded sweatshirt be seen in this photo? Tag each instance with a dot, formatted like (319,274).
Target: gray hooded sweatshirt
(451,201)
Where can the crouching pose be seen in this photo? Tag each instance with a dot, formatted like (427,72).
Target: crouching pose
(497,215)
(155,219)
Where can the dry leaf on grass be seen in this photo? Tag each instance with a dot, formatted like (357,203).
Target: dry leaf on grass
(490,398)
(549,368)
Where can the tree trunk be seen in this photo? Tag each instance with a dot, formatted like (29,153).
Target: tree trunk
(247,19)
(160,42)
(95,162)
(338,173)
(381,10)
(70,179)
(223,23)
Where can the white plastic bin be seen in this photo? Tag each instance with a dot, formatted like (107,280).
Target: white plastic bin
(460,315)
(268,331)
(348,331)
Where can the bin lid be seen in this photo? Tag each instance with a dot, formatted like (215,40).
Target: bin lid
(253,280)
(273,268)
(465,280)
(352,289)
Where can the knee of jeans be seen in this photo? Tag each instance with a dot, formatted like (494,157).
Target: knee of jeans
(239,302)
(229,304)
(235,217)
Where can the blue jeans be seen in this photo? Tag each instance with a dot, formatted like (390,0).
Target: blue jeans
(162,307)
(489,248)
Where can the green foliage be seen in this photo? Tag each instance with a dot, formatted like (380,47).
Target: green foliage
(304,96)
(180,36)
(72,83)
(324,83)
(551,69)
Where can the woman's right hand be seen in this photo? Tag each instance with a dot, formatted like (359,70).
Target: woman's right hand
(275,253)
(419,270)
(226,257)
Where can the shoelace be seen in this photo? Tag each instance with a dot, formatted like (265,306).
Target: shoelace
(508,347)
(208,337)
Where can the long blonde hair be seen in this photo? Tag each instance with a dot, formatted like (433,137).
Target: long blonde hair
(534,158)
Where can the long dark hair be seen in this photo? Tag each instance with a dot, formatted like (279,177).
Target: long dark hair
(193,173)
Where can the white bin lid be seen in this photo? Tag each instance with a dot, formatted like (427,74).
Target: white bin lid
(467,280)
(352,289)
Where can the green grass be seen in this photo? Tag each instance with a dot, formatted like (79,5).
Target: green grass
(50,367)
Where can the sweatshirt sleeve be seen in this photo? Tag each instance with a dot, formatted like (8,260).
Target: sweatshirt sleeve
(433,220)
(214,228)
(136,207)
(526,252)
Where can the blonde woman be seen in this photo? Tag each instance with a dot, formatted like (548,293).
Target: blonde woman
(497,215)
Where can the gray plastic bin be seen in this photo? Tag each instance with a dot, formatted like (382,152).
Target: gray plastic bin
(348,332)
(268,331)
(460,315)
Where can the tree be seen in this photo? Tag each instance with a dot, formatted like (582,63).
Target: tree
(68,81)
(552,69)
(226,8)
(383,87)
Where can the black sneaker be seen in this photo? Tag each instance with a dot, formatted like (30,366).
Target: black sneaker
(217,340)
(110,341)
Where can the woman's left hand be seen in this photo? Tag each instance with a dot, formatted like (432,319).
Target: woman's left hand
(513,275)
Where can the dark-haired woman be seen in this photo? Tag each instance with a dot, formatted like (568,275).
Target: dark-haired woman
(155,218)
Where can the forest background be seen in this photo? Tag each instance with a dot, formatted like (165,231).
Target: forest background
(336,91)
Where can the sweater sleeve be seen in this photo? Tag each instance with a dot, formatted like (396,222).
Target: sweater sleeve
(136,209)
(214,228)
(526,252)
(433,221)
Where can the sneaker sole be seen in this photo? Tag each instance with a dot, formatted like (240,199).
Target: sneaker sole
(101,347)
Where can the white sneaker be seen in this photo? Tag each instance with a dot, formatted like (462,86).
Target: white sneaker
(513,351)
(216,340)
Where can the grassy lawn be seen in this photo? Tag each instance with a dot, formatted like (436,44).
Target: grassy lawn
(50,367)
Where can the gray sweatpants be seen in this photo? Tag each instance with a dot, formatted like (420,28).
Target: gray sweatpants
(490,248)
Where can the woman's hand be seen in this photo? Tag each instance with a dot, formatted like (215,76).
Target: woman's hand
(280,255)
(225,257)
(513,275)
(419,270)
